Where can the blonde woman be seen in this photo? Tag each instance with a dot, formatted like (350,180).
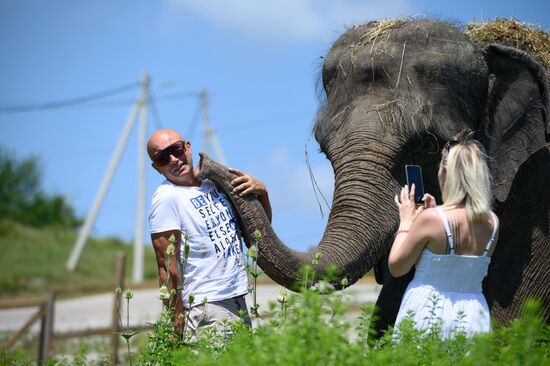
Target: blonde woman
(450,245)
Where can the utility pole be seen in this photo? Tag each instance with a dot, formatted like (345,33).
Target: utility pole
(92,215)
(139,106)
(137,276)
(210,138)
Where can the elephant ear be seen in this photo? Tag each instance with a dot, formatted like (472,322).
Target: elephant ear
(516,122)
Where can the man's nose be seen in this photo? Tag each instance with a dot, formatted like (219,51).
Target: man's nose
(173,159)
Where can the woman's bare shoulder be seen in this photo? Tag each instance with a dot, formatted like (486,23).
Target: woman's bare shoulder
(428,221)
(429,214)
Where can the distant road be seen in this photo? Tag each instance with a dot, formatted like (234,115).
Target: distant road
(94,311)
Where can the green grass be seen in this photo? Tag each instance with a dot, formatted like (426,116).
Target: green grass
(33,260)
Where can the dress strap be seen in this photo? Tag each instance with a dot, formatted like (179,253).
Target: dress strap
(492,240)
(447,228)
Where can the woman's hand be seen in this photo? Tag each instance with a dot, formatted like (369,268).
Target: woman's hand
(429,201)
(408,212)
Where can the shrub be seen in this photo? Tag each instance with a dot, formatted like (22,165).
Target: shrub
(22,200)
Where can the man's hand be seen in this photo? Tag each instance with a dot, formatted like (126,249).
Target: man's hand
(179,323)
(245,184)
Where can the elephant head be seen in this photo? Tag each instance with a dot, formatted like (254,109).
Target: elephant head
(395,92)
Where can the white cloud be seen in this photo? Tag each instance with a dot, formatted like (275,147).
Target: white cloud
(288,20)
(279,156)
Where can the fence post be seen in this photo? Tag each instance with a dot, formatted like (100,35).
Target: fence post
(115,327)
(46,329)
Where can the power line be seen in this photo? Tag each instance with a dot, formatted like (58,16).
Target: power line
(68,102)
(113,103)
(180,95)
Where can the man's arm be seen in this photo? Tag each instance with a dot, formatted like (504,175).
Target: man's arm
(161,241)
(245,184)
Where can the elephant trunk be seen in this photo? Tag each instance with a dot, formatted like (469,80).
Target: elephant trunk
(354,238)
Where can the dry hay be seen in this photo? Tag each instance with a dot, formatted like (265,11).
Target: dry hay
(376,29)
(381,27)
(510,32)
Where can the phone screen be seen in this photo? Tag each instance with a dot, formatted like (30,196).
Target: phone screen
(414,175)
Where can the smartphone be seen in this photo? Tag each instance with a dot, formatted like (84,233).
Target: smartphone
(414,175)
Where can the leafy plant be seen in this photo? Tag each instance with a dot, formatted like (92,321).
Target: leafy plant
(310,328)
(128,333)
(252,253)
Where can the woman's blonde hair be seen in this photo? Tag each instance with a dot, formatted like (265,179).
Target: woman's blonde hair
(468,179)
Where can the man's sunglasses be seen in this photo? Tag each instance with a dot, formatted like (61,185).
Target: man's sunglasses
(163,157)
(450,144)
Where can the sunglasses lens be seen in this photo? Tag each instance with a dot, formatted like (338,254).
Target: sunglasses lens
(162,159)
(177,149)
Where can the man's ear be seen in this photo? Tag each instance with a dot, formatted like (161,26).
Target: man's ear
(188,146)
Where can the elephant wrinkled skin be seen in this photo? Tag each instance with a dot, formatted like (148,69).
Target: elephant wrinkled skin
(395,92)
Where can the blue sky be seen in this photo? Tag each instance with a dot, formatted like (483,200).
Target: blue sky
(259,60)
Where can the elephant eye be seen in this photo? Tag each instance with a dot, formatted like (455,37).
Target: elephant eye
(328,77)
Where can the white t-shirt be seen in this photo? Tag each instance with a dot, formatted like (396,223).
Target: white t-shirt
(215,267)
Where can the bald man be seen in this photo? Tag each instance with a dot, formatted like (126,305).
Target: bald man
(214,277)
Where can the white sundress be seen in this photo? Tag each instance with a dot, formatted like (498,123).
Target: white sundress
(446,290)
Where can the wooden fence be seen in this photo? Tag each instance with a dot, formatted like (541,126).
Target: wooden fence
(46,311)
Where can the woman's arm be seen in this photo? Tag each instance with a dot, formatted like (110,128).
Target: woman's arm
(408,245)
(412,235)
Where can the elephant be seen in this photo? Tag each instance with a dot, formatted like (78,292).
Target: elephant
(396,91)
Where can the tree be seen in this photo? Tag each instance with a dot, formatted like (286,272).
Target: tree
(21,197)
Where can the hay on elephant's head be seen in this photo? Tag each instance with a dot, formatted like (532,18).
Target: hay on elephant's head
(510,32)
(381,27)
(376,29)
